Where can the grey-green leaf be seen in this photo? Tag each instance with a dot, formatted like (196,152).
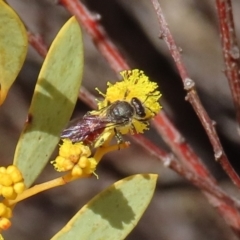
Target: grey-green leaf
(54,99)
(13,48)
(113,213)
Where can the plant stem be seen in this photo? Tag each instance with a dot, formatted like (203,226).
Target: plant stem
(42,187)
(231,52)
(193,98)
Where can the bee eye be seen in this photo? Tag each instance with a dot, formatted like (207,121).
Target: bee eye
(138,107)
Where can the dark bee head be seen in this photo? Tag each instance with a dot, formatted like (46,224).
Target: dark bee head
(121,112)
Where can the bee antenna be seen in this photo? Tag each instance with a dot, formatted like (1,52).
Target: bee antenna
(150,95)
(153,93)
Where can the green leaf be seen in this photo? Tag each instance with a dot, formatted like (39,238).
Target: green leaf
(54,99)
(13,48)
(113,213)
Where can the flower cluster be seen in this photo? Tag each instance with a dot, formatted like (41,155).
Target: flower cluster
(5,215)
(75,158)
(11,182)
(135,84)
(11,185)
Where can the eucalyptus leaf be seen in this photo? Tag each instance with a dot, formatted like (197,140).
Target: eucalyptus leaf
(53,101)
(13,48)
(113,213)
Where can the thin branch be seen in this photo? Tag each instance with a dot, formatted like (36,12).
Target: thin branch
(219,154)
(169,160)
(181,148)
(184,152)
(103,43)
(230,50)
(37,42)
(193,98)
(228,208)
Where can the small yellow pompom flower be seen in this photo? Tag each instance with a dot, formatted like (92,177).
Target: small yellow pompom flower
(5,214)
(5,223)
(11,182)
(74,157)
(135,85)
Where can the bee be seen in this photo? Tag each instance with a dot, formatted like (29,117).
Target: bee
(90,129)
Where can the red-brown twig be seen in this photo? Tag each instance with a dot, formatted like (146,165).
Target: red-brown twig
(37,42)
(105,46)
(224,203)
(181,148)
(231,52)
(228,208)
(169,160)
(184,153)
(193,98)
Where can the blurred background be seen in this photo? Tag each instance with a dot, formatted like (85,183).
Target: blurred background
(178,210)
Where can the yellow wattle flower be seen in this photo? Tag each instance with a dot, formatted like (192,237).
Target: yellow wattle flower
(135,84)
(11,182)
(74,157)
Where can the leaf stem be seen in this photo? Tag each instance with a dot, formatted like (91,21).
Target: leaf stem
(43,187)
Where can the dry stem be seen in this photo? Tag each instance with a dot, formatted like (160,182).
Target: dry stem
(193,97)
(230,51)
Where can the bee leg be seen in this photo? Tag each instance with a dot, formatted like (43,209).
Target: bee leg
(119,137)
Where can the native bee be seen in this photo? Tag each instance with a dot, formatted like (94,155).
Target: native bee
(91,128)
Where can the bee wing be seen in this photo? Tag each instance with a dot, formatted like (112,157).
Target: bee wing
(80,129)
(77,131)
